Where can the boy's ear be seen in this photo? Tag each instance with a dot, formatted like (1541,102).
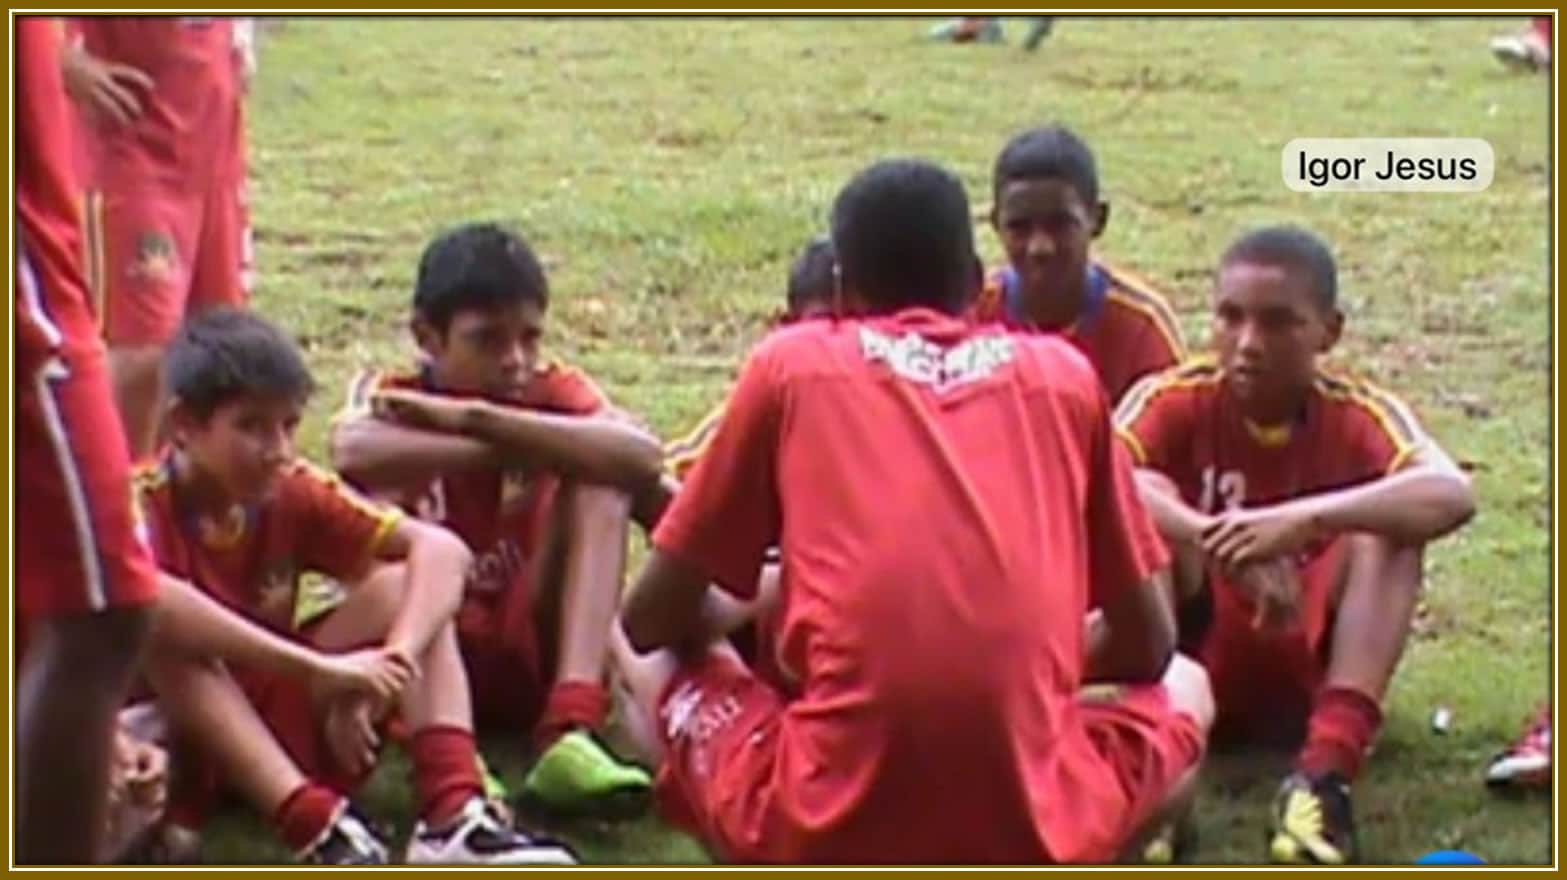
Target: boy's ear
(426,336)
(1335,330)
(181,422)
(1101,218)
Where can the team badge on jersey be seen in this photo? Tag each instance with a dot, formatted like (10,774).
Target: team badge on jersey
(156,258)
(275,593)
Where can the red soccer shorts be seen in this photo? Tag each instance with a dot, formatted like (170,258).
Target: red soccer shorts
(77,549)
(1264,680)
(169,235)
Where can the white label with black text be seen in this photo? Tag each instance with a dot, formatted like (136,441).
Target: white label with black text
(1388,164)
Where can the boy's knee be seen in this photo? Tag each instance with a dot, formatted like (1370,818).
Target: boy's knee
(1383,564)
(1190,692)
(597,506)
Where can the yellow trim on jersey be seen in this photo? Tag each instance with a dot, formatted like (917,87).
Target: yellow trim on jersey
(1134,292)
(1398,424)
(1268,436)
(391,518)
(386,516)
(1133,445)
(356,403)
(684,453)
(1192,374)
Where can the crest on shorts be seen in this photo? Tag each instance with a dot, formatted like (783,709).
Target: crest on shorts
(156,259)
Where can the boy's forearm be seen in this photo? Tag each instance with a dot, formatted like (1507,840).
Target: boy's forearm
(1138,649)
(1412,506)
(377,454)
(437,567)
(1177,521)
(188,621)
(590,449)
(665,606)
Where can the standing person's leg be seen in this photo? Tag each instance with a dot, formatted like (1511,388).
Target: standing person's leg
(223,266)
(83,583)
(147,236)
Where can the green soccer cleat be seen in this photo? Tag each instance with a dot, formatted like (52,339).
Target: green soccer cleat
(1312,822)
(577,775)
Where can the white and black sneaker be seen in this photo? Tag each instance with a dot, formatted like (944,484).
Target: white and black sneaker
(478,836)
(347,841)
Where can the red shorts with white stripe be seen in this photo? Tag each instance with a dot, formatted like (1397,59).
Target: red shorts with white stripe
(76,545)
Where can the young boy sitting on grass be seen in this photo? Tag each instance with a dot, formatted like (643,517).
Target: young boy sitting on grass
(230,508)
(1298,504)
(528,463)
(1047,212)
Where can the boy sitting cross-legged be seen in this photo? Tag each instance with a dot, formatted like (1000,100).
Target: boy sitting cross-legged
(230,508)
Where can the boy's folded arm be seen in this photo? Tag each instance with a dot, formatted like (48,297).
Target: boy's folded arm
(1427,498)
(602,449)
(375,453)
(664,607)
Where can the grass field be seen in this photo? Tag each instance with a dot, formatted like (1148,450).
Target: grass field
(669,169)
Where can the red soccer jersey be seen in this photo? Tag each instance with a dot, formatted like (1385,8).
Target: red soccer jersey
(494,510)
(311,524)
(934,582)
(1127,329)
(1184,424)
(195,69)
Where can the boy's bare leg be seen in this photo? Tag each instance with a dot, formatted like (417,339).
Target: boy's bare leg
(644,678)
(1382,583)
(137,374)
(579,576)
(205,704)
(1378,588)
(72,682)
(456,823)
(440,695)
(597,521)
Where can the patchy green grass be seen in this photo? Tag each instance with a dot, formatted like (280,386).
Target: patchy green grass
(669,169)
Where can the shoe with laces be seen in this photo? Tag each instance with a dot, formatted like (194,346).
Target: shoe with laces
(1312,821)
(478,836)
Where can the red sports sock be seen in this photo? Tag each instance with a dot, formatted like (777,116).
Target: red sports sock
(446,771)
(1542,28)
(306,813)
(1342,726)
(571,704)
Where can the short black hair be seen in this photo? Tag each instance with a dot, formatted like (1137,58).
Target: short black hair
(225,353)
(903,235)
(477,266)
(811,279)
(1292,248)
(1047,152)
